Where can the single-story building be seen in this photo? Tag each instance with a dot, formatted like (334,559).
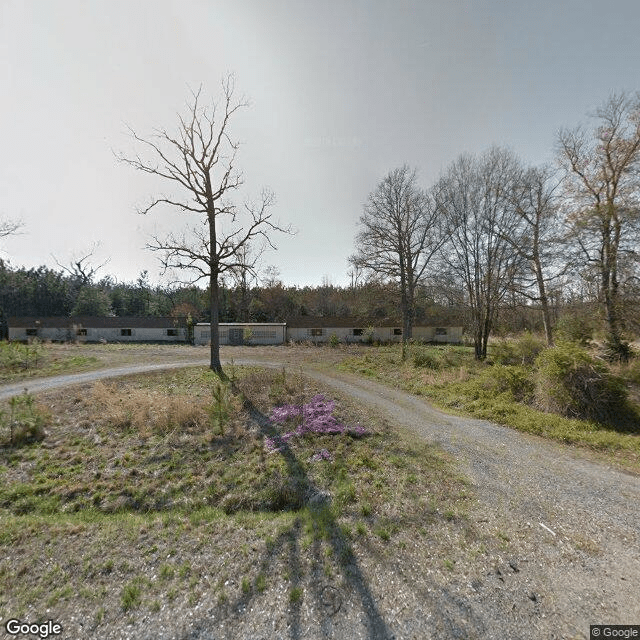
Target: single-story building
(242,333)
(320,329)
(99,329)
(166,329)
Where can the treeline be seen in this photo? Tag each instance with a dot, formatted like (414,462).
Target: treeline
(44,291)
(496,233)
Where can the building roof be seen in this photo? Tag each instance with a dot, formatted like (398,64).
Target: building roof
(95,322)
(324,322)
(244,324)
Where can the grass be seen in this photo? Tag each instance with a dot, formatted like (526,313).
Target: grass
(452,380)
(135,488)
(23,361)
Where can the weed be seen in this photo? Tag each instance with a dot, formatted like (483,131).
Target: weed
(295,595)
(382,533)
(131,596)
(219,410)
(166,572)
(184,571)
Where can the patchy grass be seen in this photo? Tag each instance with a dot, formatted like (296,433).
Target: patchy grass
(23,361)
(135,490)
(450,378)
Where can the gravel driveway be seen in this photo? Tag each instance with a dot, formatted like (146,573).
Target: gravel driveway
(572,526)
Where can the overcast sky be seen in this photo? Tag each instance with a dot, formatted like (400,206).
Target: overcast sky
(341,92)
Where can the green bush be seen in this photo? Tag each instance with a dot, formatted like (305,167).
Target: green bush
(515,380)
(334,341)
(25,420)
(426,360)
(572,383)
(522,351)
(577,329)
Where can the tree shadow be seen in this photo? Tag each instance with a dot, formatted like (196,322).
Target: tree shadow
(327,598)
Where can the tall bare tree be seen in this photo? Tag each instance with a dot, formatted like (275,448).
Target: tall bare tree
(473,199)
(602,192)
(536,237)
(400,233)
(199,161)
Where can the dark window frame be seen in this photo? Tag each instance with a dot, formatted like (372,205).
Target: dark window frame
(126,332)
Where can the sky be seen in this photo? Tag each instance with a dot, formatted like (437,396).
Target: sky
(340,92)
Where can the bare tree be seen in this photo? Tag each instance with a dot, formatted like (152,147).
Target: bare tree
(537,237)
(400,233)
(473,199)
(200,162)
(10,227)
(602,189)
(81,267)
(242,279)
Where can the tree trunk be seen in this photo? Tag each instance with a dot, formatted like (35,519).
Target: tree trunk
(544,301)
(214,297)
(404,306)
(214,293)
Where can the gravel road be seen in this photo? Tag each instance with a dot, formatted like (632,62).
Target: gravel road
(573,525)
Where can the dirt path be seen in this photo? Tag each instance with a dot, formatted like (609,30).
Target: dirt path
(571,526)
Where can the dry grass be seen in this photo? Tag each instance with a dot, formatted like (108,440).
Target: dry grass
(149,411)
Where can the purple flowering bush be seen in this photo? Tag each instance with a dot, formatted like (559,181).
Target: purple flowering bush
(316,416)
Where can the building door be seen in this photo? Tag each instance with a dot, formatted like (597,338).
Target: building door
(235,336)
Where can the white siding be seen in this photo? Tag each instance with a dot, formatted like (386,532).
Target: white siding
(252,333)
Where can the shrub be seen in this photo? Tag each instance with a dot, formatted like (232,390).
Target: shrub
(522,351)
(514,380)
(426,360)
(572,383)
(334,341)
(26,420)
(617,350)
(577,329)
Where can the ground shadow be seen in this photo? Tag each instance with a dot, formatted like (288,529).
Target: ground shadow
(328,599)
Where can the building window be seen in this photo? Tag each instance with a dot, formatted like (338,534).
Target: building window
(32,332)
(172,332)
(206,335)
(441,331)
(315,332)
(81,332)
(260,334)
(397,332)
(125,332)
(358,332)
